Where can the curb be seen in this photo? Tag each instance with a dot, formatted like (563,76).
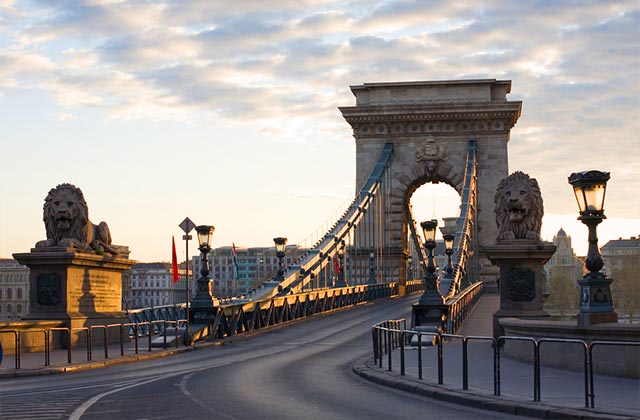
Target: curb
(480,401)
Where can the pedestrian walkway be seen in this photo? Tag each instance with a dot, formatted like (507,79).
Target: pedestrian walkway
(31,364)
(562,391)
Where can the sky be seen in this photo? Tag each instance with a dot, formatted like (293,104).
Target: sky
(226,112)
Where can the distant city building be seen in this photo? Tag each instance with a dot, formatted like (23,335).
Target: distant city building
(254,266)
(564,263)
(14,290)
(560,288)
(152,285)
(620,253)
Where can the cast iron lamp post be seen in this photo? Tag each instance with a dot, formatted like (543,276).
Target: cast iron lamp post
(596,303)
(203,297)
(431,293)
(448,249)
(372,268)
(281,246)
(341,265)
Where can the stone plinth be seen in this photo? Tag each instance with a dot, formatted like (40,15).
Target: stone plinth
(521,276)
(429,317)
(81,290)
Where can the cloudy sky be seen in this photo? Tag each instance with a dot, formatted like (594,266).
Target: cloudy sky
(226,111)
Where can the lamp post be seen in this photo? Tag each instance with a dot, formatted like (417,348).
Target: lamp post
(203,297)
(596,303)
(341,266)
(372,268)
(187,226)
(281,246)
(448,249)
(431,293)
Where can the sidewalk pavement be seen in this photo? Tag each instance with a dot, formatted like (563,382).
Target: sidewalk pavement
(32,364)
(562,391)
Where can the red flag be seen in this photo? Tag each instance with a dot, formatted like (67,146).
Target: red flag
(336,264)
(174,260)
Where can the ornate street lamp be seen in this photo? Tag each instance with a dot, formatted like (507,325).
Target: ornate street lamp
(204,297)
(596,303)
(281,247)
(372,268)
(341,265)
(448,249)
(431,293)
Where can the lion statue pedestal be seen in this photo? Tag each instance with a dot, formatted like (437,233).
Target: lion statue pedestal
(518,251)
(521,277)
(76,273)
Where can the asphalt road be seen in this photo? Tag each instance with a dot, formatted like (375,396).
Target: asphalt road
(301,371)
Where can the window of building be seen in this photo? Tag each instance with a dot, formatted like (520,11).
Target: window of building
(9,294)
(9,308)
(19,293)
(19,308)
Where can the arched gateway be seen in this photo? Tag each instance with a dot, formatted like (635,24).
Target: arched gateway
(430,125)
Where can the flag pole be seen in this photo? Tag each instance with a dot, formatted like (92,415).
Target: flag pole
(186,241)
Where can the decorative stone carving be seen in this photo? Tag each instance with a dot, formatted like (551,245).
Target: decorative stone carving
(49,289)
(429,150)
(521,285)
(519,208)
(66,219)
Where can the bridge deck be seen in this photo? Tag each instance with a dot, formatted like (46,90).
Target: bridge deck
(480,321)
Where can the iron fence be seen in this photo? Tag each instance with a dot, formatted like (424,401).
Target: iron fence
(388,336)
(88,333)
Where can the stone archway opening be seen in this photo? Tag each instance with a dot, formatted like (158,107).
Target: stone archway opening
(430,200)
(435,200)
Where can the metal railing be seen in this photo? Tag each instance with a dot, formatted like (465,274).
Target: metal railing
(460,306)
(388,336)
(226,321)
(88,333)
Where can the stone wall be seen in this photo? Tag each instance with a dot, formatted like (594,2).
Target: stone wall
(611,360)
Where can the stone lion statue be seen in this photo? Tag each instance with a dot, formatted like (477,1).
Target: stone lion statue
(519,208)
(66,220)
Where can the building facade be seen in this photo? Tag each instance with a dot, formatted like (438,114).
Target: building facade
(619,254)
(14,290)
(564,263)
(252,267)
(152,285)
(563,270)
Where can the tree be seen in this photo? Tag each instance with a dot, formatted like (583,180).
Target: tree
(563,293)
(626,290)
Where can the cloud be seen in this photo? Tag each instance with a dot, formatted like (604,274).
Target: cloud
(284,66)
(64,116)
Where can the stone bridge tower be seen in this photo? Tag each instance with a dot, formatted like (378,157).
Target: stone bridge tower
(430,125)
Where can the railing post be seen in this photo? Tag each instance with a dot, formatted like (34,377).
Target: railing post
(465,364)
(389,349)
(47,355)
(402,336)
(536,371)
(121,339)
(149,331)
(440,360)
(89,344)
(106,342)
(419,355)
(496,367)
